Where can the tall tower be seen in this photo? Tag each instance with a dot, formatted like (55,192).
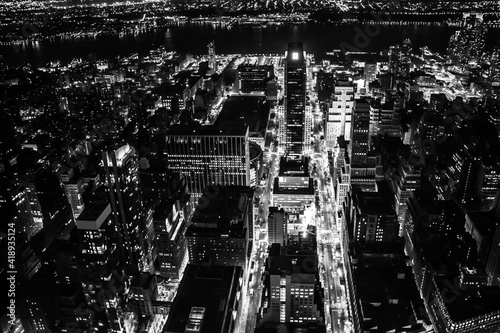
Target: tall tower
(493,263)
(99,260)
(407,180)
(14,201)
(122,178)
(211,56)
(338,120)
(28,181)
(360,129)
(295,99)
(292,285)
(277,225)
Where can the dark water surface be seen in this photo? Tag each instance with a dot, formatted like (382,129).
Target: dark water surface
(194,37)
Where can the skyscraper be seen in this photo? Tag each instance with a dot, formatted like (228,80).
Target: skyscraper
(359,136)
(220,227)
(208,300)
(407,180)
(467,44)
(277,225)
(74,187)
(254,78)
(295,99)
(493,262)
(122,178)
(209,156)
(14,202)
(170,220)
(211,57)
(375,220)
(27,180)
(338,120)
(99,261)
(292,289)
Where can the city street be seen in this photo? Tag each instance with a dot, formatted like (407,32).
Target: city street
(253,283)
(329,249)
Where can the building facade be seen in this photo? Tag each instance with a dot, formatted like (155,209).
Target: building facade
(295,98)
(209,156)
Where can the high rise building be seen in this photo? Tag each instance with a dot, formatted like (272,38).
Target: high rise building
(211,57)
(95,228)
(338,119)
(14,202)
(277,225)
(295,98)
(27,262)
(306,135)
(160,184)
(71,300)
(371,71)
(143,291)
(359,133)
(490,178)
(324,86)
(209,156)
(33,313)
(282,129)
(170,221)
(27,179)
(473,183)
(343,184)
(389,120)
(399,59)
(208,300)
(467,44)
(493,262)
(221,225)
(292,289)
(122,179)
(100,260)
(341,173)
(374,220)
(406,181)
(293,189)
(494,72)
(74,186)
(254,78)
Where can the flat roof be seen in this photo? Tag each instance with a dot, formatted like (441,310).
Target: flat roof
(93,211)
(210,130)
(223,211)
(210,287)
(243,111)
(300,264)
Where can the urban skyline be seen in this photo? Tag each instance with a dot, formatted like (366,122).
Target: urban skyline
(353,190)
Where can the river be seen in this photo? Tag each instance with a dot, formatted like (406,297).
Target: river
(193,38)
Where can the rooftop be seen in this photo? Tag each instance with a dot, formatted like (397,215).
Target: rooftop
(221,210)
(470,302)
(186,130)
(93,215)
(291,265)
(211,288)
(243,111)
(375,202)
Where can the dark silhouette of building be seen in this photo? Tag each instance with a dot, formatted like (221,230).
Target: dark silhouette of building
(129,215)
(206,301)
(220,226)
(295,98)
